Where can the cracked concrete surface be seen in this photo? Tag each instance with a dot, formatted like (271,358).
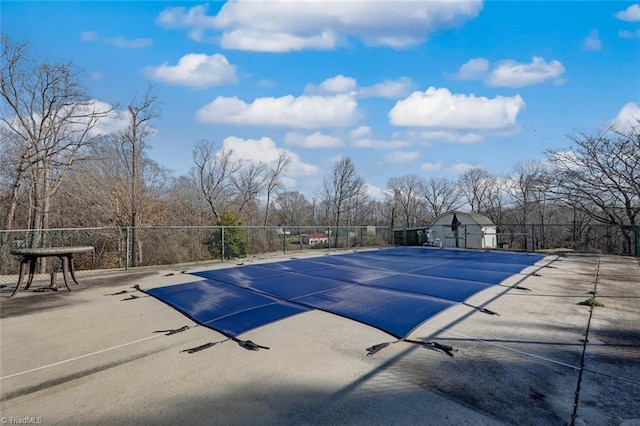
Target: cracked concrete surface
(88,357)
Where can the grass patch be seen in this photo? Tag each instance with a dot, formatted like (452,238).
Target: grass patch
(591,302)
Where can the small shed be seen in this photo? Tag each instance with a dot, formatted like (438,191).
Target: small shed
(465,230)
(407,236)
(313,239)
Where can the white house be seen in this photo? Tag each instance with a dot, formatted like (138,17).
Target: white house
(473,230)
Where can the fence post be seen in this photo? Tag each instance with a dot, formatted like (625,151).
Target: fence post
(533,238)
(637,235)
(348,237)
(128,249)
(284,240)
(222,242)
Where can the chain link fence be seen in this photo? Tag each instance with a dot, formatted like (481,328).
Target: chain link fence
(125,248)
(593,238)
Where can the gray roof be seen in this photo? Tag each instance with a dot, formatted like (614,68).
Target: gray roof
(481,220)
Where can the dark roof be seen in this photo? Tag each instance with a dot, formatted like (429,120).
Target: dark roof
(480,219)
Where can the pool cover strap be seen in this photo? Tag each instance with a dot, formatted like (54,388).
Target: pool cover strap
(173,331)
(483,310)
(201,347)
(435,345)
(246,344)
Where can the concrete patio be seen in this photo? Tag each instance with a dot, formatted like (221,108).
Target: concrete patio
(91,357)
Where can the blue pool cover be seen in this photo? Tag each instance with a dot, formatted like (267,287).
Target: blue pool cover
(394,290)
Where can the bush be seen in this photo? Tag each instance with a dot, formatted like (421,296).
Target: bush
(235,240)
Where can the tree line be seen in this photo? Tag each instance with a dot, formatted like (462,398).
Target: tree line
(63,167)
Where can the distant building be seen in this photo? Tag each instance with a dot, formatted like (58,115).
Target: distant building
(313,239)
(473,230)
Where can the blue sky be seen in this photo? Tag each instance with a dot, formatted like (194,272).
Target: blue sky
(424,87)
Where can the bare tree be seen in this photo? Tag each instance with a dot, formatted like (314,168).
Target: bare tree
(340,192)
(542,197)
(213,172)
(130,146)
(407,192)
(495,203)
(442,195)
(52,119)
(187,202)
(600,175)
(362,209)
(522,186)
(274,180)
(293,208)
(248,182)
(476,185)
(13,177)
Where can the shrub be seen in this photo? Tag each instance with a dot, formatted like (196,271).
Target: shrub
(235,240)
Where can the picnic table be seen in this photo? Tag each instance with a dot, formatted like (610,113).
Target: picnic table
(31,255)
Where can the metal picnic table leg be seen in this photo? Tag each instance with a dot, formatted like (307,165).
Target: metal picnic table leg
(73,272)
(32,270)
(23,268)
(65,269)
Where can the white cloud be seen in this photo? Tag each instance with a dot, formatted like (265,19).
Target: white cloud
(304,112)
(401,157)
(510,73)
(515,74)
(593,42)
(89,36)
(369,142)
(119,41)
(568,159)
(449,137)
(360,132)
(460,168)
(630,14)
(390,89)
(123,43)
(628,117)
(440,109)
(282,25)
(629,34)
(387,89)
(111,122)
(263,82)
(431,167)
(314,140)
(267,41)
(108,120)
(181,17)
(196,70)
(474,69)
(339,84)
(362,137)
(375,192)
(264,150)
